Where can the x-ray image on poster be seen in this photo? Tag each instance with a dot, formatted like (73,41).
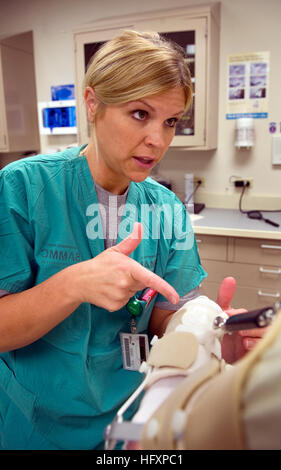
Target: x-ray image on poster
(247,90)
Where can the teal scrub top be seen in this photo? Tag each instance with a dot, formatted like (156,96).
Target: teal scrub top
(61,391)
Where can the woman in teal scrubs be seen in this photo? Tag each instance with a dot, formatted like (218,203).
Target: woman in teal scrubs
(81,232)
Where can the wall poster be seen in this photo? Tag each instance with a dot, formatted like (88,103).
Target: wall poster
(247,88)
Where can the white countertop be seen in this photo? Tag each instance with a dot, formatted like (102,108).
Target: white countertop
(233,223)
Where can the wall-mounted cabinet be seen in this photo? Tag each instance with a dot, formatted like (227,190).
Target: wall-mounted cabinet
(196,29)
(18,102)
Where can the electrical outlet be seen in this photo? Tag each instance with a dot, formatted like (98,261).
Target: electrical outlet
(244,180)
(197,179)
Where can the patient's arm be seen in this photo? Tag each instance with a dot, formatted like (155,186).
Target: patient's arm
(234,346)
(235,408)
(159,320)
(188,343)
(197,318)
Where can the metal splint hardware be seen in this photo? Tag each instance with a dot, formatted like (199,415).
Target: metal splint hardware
(125,430)
(259,318)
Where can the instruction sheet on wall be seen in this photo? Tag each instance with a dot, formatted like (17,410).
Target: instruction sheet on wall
(248,82)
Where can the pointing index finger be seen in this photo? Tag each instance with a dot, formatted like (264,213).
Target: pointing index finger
(152,280)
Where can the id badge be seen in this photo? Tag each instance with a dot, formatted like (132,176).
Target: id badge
(135,350)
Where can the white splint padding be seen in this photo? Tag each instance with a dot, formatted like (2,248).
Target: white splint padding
(189,340)
(197,317)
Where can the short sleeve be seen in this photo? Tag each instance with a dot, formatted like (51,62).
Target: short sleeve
(183,270)
(16,239)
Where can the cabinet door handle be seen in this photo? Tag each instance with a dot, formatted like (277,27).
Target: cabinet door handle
(271,247)
(270,271)
(265,294)
(198,240)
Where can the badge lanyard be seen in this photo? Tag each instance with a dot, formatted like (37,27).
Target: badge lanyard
(135,347)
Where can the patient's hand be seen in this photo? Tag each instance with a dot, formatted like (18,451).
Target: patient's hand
(133,445)
(236,345)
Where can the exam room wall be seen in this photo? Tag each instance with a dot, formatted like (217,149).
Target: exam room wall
(246,26)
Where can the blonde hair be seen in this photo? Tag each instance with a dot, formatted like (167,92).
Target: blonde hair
(134,65)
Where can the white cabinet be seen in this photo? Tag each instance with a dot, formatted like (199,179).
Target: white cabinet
(254,263)
(18,103)
(194,28)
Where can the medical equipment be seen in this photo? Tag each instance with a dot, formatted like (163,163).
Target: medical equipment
(244,133)
(254,319)
(126,430)
(189,192)
(57,117)
(63,92)
(276,149)
(135,305)
(255,214)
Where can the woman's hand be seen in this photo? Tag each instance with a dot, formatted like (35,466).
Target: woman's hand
(236,345)
(110,279)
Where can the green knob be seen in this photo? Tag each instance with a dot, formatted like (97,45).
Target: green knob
(134,307)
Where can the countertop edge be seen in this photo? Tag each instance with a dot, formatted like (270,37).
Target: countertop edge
(233,232)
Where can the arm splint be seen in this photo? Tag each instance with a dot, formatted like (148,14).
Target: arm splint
(205,410)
